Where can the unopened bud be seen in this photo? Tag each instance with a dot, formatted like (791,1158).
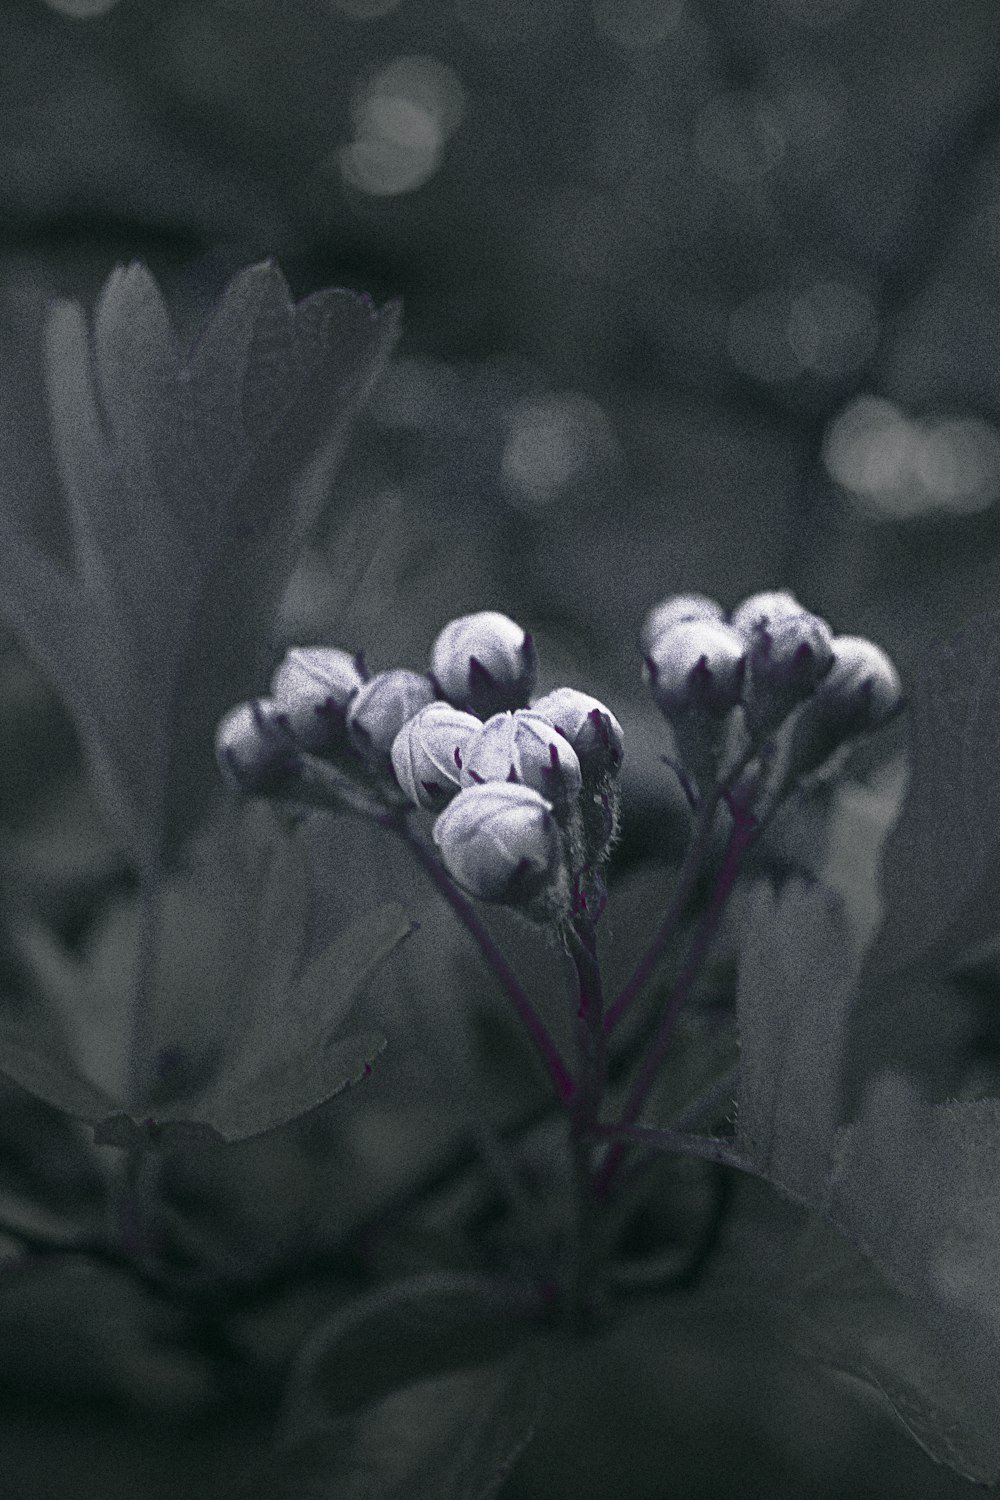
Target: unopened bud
(314,686)
(378,711)
(500,842)
(696,666)
(428,754)
(682,609)
(861,691)
(787,661)
(524,747)
(255,749)
(485,663)
(761,611)
(592,730)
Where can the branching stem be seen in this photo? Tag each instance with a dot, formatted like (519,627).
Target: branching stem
(743,833)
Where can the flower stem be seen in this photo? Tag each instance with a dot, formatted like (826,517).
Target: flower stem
(592,1073)
(467,915)
(743,833)
(690,870)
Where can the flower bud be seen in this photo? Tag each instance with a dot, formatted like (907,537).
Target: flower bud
(526,748)
(787,659)
(255,749)
(860,692)
(314,685)
(863,686)
(591,729)
(500,842)
(380,708)
(763,610)
(485,663)
(680,610)
(696,665)
(429,751)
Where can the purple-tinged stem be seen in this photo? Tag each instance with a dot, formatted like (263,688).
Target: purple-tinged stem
(744,831)
(689,872)
(466,913)
(591,1081)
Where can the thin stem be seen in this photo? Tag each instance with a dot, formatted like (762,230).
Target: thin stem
(592,1073)
(141,1067)
(689,872)
(743,833)
(704,1146)
(467,915)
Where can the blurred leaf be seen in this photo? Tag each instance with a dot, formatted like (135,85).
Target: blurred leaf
(71,1325)
(455,1437)
(246,1037)
(797,977)
(941,868)
(914,1187)
(190,483)
(935,1371)
(429,1388)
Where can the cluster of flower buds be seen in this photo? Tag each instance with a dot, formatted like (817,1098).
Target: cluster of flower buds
(526,800)
(524,796)
(778,662)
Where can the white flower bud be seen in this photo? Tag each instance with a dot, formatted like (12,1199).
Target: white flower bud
(501,843)
(860,692)
(378,711)
(862,688)
(314,685)
(484,662)
(787,659)
(679,610)
(525,747)
(697,665)
(428,753)
(255,749)
(592,730)
(763,610)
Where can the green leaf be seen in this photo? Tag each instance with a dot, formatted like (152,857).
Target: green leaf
(840,1311)
(189,497)
(940,873)
(251,1035)
(797,977)
(430,1388)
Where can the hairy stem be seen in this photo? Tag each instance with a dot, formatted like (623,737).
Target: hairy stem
(467,915)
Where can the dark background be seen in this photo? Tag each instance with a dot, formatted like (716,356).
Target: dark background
(697,295)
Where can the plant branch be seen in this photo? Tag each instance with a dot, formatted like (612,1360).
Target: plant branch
(467,915)
(591,1082)
(690,870)
(743,833)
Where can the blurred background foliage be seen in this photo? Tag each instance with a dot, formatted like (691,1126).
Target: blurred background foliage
(698,295)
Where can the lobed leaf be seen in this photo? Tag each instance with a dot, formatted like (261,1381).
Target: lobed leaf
(935,1369)
(190,481)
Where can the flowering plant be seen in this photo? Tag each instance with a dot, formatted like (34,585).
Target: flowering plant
(626,1096)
